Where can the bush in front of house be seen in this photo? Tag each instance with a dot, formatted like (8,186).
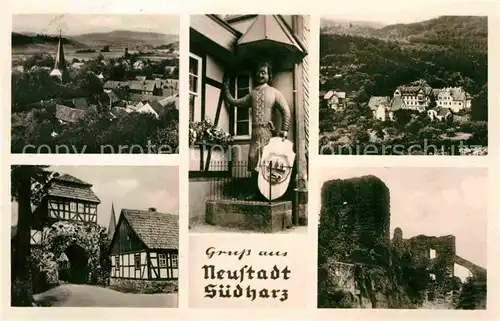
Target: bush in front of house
(144,286)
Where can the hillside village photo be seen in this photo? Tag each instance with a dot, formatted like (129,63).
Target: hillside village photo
(435,258)
(248,129)
(404,89)
(94,236)
(95,84)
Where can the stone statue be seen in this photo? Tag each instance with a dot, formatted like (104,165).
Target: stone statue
(262,99)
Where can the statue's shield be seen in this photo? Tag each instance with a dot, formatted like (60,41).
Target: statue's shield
(275,168)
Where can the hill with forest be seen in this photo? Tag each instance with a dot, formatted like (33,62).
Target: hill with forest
(125,38)
(444,31)
(375,66)
(33,40)
(117,39)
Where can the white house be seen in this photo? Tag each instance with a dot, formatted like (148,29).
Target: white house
(415,97)
(335,99)
(380,106)
(454,98)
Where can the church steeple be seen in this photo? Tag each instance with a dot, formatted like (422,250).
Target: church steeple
(112,222)
(60,64)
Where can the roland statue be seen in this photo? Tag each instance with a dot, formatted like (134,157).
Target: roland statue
(262,99)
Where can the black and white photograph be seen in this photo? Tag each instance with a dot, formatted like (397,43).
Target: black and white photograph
(403,238)
(94,236)
(248,123)
(95,84)
(402,84)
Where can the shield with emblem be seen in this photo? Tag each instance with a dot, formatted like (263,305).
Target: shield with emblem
(275,168)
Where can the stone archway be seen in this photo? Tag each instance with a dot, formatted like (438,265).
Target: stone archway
(78,267)
(79,242)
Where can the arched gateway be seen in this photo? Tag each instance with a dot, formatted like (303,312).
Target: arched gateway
(65,235)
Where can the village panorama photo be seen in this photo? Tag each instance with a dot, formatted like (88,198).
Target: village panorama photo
(403,85)
(94,236)
(95,84)
(248,123)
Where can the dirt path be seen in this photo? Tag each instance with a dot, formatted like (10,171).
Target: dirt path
(82,295)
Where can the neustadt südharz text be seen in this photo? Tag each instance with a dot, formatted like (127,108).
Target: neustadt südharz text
(241,275)
(235,283)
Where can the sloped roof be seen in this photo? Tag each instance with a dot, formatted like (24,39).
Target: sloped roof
(397,103)
(413,90)
(443,111)
(156,230)
(143,98)
(119,111)
(269,28)
(158,108)
(168,100)
(68,186)
(142,85)
(71,179)
(112,84)
(80,103)
(68,114)
(331,93)
(378,100)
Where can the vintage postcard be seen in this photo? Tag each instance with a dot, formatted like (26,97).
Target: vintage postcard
(94,236)
(95,84)
(194,160)
(248,117)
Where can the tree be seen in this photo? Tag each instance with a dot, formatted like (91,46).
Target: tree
(432,102)
(473,293)
(87,84)
(27,183)
(42,59)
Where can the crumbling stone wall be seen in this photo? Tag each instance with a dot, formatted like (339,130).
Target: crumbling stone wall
(354,219)
(355,257)
(442,284)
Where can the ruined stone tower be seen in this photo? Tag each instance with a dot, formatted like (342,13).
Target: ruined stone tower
(356,211)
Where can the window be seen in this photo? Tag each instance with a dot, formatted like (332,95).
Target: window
(175,261)
(195,64)
(80,207)
(117,265)
(162,260)
(242,116)
(432,253)
(137,261)
(73,207)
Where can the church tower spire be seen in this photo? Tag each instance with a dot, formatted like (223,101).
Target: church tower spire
(112,222)
(59,70)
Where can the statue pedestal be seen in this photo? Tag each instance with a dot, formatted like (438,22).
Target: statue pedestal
(250,215)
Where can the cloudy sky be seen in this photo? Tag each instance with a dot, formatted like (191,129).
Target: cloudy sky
(133,187)
(74,24)
(435,202)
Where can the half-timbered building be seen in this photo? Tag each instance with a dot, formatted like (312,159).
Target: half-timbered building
(66,198)
(225,46)
(144,248)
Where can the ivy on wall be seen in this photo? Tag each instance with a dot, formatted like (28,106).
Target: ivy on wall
(91,238)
